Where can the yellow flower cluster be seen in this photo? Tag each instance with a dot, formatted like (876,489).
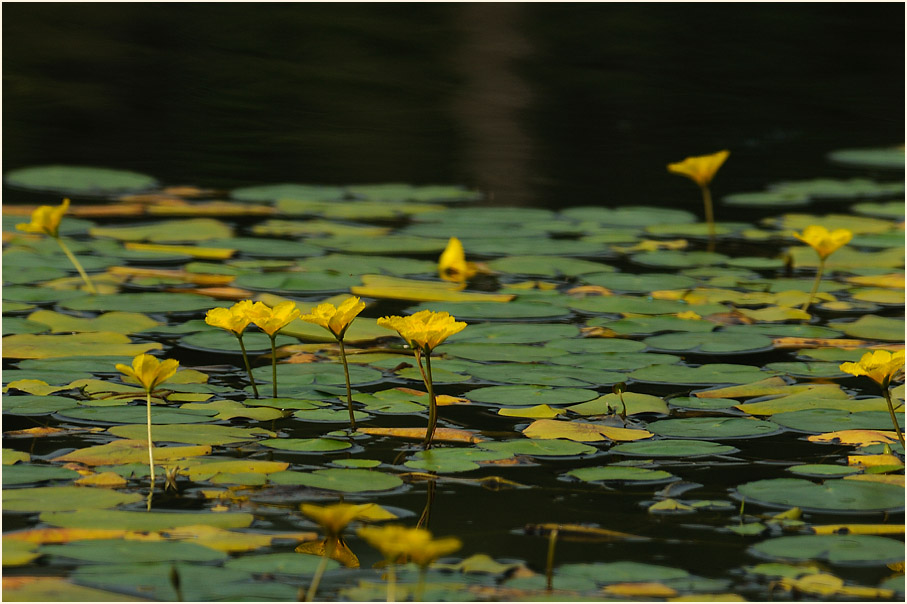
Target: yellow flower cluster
(425,329)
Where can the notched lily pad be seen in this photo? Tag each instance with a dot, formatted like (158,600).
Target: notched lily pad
(833,495)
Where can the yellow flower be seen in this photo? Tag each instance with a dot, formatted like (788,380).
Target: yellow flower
(424,330)
(823,241)
(148,371)
(880,366)
(271,320)
(452,265)
(334,518)
(335,319)
(700,169)
(395,541)
(46,219)
(234,319)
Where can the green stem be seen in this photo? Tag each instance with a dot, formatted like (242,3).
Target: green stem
(426,511)
(329,546)
(815,288)
(150,450)
(391,581)
(349,391)
(433,405)
(549,569)
(894,419)
(78,266)
(419,596)
(245,359)
(709,216)
(274,364)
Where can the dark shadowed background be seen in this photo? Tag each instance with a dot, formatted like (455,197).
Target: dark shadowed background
(538,104)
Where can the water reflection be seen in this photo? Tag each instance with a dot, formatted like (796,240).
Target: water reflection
(539,103)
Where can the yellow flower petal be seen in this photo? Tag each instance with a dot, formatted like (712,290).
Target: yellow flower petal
(425,329)
(395,541)
(452,265)
(234,319)
(700,169)
(46,220)
(880,366)
(335,319)
(334,518)
(148,371)
(824,242)
(271,320)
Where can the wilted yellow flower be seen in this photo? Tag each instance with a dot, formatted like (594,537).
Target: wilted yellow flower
(46,220)
(880,366)
(700,169)
(452,265)
(424,330)
(334,518)
(395,541)
(271,320)
(148,371)
(234,319)
(823,241)
(335,319)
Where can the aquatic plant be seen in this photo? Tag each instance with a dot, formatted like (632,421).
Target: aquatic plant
(824,243)
(880,366)
(45,220)
(332,519)
(397,543)
(149,373)
(452,265)
(701,169)
(337,319)
(235,320)
(423,332)
(272,320)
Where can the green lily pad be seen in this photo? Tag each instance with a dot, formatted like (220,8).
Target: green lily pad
(146,302)
(545,375)
(828,188)
(36,405)
(281,563)
(611,403)
(709,342)
(833,495)
(78,179)
(266,247)
(880,209)
(358,264)
(524,246)
(807,370)
(872,327)
(629,216)
(822,470)
(330,415)
(143,520)
(39,295)
(27,473)
(407,192)
(58,499)
(642,306)
(644,283)
(830,420)
(767,199)
(673,448)
(205,434)
(118,322)
(597,345)
(621,572)
(222,341)
(717,373)
(713,427)
(641,326)
(133,414)
(352,480)
(539,447)
(306,445)
(297,283)
(450,460)
(871,157)
(289,191)
(128,551)
(314,373)
(32,346)
(167,231)
(837,549)
(500,352)
(620,473)
(678,259)
(398,244)
(694,402)
(494,310)
(546,266)
(529,395)
(515,333)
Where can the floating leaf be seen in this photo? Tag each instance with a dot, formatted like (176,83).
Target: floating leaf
(205,434)
(619,473)
(582,432)
(150,302)
(339,479)
(279,564)
(536,412)
(78,179)
(837,549)
(29,346)
(673,448)
(453,459)
(65,498)
(129,451)
(440,435)
(711,343)
(397,288)
(611,403)
(539,447)
(718,373)
(127,551)
(832,495)
(830,420)
(871,327)
(143,520)
(306,445)
(529,395)
(713,427)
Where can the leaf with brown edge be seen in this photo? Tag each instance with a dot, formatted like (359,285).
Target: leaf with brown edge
(130,451)
(208,253)
(845,343)
(451,435)
(63,535)
(577,532)
(104,479)
(895,479)
(197,278)
(227,541)
(581,431)
(855,437)
(639,590)
(858,529)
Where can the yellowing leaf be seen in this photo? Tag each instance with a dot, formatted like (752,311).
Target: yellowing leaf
(858,529)
(381,286)
(198,278)
(892,280)
(794,342)
(63,535)
(38,387)
(871,461)
(115,321)
(822,584)
(775,314)
(130,451)
(895,479)
(670,505)
(855,437)
(175,207)
(223,540)
(535,412)
(578,532)
(206,471)
(772,385)
(582,432)
(639,590)
(30,346)
(104,479)
(207,253)
(452,435)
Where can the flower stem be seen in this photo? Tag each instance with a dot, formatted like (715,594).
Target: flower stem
(894,419)
(815,288)
(419,596)
(549,569)
(349,391)
(75,262)
(245,358)
(433,405)
(709,216)
(150,453)
(328,550)
(391,581)
(274,364)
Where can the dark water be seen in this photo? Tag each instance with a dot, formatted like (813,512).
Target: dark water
(539,104)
